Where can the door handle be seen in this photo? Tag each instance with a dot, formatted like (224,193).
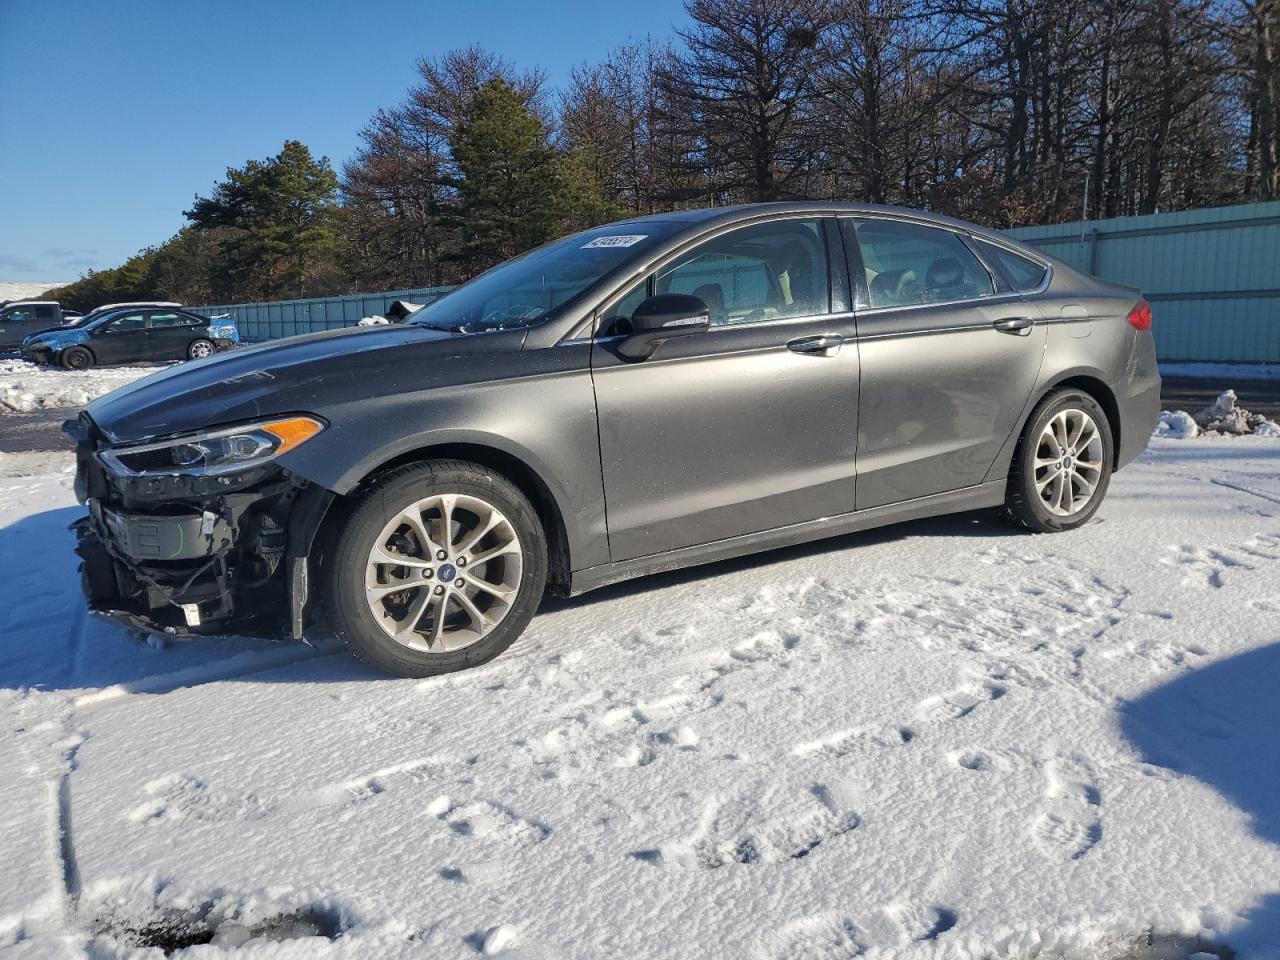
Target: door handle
(1019,326)
(828,344)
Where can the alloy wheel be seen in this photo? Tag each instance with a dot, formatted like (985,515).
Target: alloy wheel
(443,573)
(1068,462)
(200,350)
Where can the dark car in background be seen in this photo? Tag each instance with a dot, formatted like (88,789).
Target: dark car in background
(643,396)
(21,318)
(131,334)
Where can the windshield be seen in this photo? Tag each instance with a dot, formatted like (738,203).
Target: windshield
(529,288)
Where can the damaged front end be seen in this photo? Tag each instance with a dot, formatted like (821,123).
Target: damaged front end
(203,533)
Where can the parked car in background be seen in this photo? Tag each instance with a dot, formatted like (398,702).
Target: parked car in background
(79,320)
(21,318)
(643,396)
(131,333)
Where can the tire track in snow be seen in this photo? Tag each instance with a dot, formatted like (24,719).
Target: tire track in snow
(70,868)
(1240,488)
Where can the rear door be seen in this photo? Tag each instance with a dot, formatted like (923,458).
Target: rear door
(745,427)
(171,333)
(949,358)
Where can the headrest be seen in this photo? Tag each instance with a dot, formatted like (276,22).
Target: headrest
(944,272)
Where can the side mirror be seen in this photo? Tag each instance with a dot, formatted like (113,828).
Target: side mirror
(660,318)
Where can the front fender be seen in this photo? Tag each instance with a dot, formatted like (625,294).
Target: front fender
(547,422)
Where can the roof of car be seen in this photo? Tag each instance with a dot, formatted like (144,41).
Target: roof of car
(745,211)
(138,303)
(705,216)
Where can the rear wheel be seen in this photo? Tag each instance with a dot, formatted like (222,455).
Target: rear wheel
(199,349)
(440,566)
(1062,468)
(77,358)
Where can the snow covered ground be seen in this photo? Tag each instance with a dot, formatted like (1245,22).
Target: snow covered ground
(26,289)
(941,740)
(25,387)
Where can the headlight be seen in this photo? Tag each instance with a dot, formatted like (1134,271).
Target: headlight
(213,451)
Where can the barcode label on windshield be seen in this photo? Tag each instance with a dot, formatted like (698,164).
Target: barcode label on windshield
(623,240)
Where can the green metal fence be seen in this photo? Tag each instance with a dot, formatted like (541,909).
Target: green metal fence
(1212,276)
(284,318)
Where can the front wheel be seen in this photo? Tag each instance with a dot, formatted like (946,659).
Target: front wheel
(1062,468)
(199,349)
(439,566)
(77,358)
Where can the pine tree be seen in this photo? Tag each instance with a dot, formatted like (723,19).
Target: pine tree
(509,184)
(280,211)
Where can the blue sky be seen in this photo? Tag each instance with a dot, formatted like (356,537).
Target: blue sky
(113,115)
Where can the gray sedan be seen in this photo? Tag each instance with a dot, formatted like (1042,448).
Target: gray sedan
(656,393)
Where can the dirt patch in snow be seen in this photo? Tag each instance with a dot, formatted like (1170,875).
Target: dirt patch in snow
(1222,418)
(173,930)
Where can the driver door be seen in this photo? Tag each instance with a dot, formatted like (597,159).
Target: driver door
(746,427)
(123,340)
(17,323)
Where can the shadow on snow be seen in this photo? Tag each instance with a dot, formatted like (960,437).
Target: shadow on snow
(1221,725)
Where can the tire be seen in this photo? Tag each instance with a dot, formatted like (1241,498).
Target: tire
(1047,479)
(77,358)
(199,349)
(357,584)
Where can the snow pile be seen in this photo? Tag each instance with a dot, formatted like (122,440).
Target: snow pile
(27,387)
(941,741)
(373,322)
(1220,418)
(1176,424)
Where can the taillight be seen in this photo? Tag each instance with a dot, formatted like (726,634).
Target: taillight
(1140,315)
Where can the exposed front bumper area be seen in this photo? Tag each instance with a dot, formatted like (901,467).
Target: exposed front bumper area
(169,572)
(184,555)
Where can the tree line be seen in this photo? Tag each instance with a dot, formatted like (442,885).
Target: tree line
(1003,112)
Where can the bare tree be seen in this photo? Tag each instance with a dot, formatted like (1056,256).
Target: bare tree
(744,82)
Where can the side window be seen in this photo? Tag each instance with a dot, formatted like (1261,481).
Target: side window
(169,320)
(18,315)
(910,264)
(130,321)
(1025,273)
(46,312)
(770,271)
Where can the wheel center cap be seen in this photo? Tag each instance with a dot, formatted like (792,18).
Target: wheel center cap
(446,573)
(1066,463)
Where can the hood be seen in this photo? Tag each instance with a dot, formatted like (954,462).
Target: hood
(58,337)
(307,374)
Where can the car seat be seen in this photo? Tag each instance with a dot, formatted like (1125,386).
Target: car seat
(712,294)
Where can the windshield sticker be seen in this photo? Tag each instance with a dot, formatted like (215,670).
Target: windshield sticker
(622,240)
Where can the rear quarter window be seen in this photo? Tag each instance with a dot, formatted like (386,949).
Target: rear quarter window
(1025,273)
